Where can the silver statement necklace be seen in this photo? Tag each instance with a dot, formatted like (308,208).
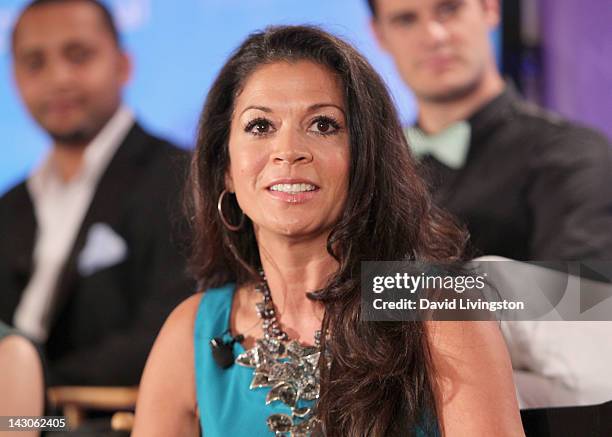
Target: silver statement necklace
(290,369)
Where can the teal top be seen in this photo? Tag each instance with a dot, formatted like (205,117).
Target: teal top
(227,406)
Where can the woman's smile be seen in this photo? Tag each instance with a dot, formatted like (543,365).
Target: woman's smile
(295,191)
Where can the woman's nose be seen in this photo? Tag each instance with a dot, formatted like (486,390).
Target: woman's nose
(290,148)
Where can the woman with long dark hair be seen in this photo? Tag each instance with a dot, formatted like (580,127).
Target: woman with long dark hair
(301,172)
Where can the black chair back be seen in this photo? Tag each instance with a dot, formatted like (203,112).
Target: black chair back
(587,421)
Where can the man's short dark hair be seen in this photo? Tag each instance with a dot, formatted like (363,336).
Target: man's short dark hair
(105,15)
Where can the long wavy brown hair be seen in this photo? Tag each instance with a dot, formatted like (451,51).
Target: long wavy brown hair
(380,380)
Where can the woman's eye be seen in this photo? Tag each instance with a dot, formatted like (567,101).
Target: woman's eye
(259,126)
(325,126)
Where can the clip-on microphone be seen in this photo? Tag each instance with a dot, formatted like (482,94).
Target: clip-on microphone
(223,351)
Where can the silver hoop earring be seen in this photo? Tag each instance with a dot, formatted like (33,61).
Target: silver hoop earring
(227,224)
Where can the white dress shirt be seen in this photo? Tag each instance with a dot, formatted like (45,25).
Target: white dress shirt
(60,207)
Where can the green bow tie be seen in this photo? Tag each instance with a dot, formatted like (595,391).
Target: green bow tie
(450,146)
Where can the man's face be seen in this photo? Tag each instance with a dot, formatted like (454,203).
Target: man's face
(440,47)
(69,70)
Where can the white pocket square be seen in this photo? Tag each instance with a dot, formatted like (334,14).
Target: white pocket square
(103,248)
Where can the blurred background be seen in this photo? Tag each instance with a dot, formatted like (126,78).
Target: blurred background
(558,53)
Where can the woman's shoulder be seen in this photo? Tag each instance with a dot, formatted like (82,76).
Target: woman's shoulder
(478,342)
(184,317)
(169,373)
(177,331)
(473,373)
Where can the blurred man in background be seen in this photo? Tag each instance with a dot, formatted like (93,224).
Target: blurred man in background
(528,185)
(89,266)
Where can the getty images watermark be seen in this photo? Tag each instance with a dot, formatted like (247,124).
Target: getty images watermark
(486,289)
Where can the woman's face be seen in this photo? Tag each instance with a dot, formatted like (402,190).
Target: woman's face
(289,149)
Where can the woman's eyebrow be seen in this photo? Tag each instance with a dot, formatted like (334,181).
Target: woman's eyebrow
(323,105)
(260,108)
(310,108)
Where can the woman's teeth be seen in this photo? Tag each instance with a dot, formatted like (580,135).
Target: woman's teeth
(293,188)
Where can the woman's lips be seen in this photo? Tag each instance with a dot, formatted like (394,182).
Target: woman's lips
(293,191)
(297,198)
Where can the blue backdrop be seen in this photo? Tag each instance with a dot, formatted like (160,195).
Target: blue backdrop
(177,51)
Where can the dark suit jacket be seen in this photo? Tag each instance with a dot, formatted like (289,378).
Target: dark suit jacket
(103,323)
(534,186)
